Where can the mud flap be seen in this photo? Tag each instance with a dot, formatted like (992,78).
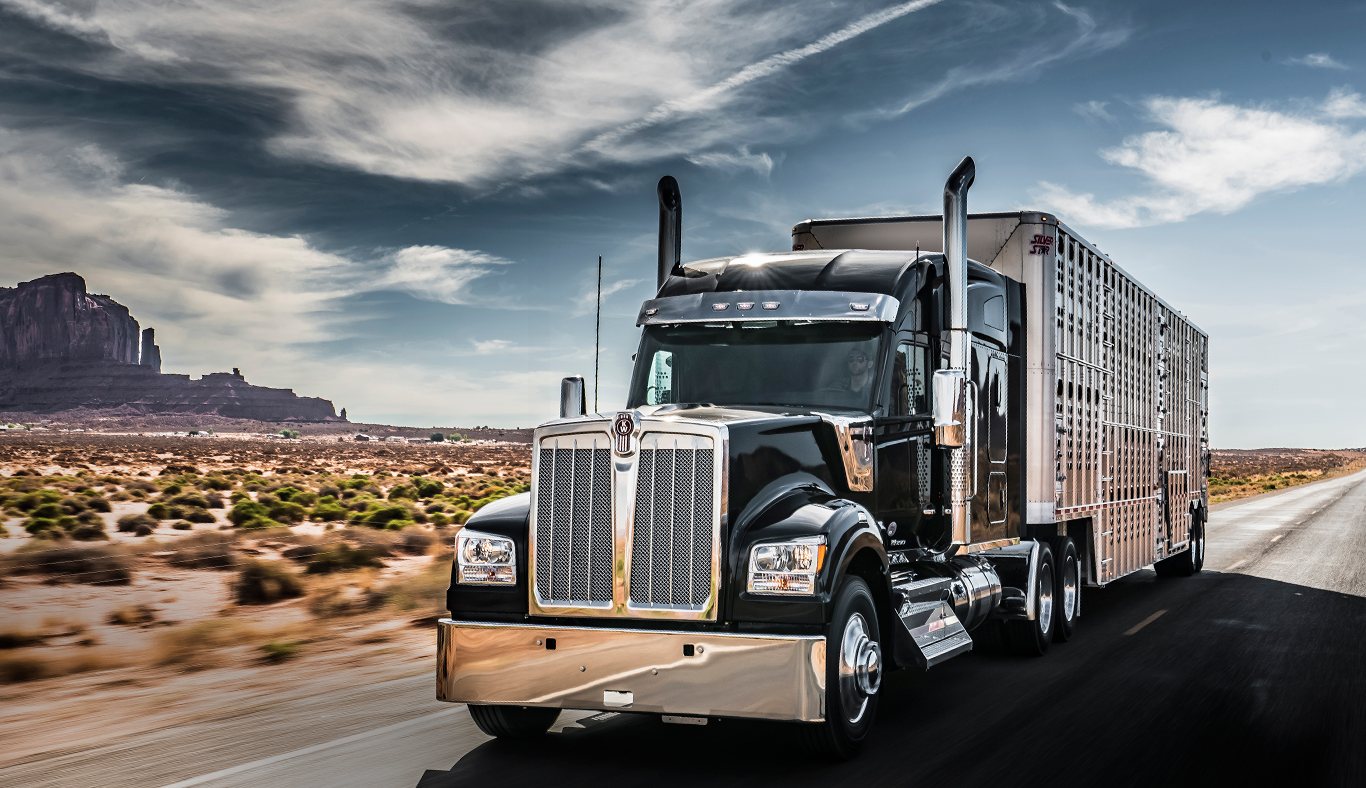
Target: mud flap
(930,632)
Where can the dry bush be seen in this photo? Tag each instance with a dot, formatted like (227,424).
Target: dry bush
(342,557)
(129,523)
(424,591)
(415,541)
(27,667)
(91,565)
(194,646)
(264,582)
(132,616)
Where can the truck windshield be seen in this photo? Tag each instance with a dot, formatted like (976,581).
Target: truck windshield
(816,365)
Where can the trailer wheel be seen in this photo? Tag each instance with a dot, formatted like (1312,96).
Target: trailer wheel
(853,674)
(1191,560)
(1067,604)
(513,722)
(1032,638)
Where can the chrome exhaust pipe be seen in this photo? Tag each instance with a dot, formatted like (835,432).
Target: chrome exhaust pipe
(960,346)
(670,229)
(573,397)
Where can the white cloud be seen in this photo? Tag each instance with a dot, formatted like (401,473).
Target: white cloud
(1317,60)
(1344,103)
(437,273)
(740,160)
(1094,110)
(491,347)
(1218,157)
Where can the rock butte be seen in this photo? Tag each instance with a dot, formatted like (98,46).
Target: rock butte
(63,348)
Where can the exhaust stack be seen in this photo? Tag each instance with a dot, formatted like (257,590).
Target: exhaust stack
(956,415)
(670,228)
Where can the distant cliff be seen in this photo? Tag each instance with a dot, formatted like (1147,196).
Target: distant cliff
(62,348)
(55,319)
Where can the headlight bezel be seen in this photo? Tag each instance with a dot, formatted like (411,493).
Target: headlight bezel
(792,566)
(485,559)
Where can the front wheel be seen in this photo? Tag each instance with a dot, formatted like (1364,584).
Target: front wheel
(513,722)
(853,674)
(1068,587)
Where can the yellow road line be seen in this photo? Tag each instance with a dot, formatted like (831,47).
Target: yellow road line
(1145,622)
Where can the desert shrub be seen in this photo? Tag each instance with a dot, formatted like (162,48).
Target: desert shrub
(264,582)
(382,543)
(425,590)
(37,525)
(89,565)
(88,532)
(131,616)
(247,513)
(280,650)
(393,518)
(329,489)
(98,504)
(287,512)
(289,434)
(170,490)
(159,511)
(238,495)
(215,483)
(37,498)
(183,525)
(89,517)
(355,482)
(143,530)
(416,541)
(302,552)
(211,550)
(129,523)
(426,488)
(197,515)
(440,520)
(328,511)
(403,491)
(49,511)
(191,499)
(194,646)
(215,500)
(72,505)
(17,668)
(341,557)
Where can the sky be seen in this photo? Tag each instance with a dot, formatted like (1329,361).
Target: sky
(399,206)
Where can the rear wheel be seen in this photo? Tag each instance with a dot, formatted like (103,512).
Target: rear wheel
(1068,588)
(853,674)
(513,722)
(1032,638)
(1190,561)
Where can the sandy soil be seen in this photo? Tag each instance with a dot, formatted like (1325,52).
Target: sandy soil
(173,645)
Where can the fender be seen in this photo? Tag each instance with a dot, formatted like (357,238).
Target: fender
(510,517)
(797,505)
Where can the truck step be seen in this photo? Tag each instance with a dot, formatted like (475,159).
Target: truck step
(930,632)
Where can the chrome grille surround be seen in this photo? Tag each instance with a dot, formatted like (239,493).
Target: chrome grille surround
(678,566)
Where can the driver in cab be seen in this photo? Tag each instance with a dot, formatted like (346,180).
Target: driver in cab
(860,372)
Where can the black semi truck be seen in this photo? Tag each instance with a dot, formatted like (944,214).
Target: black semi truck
(859,455)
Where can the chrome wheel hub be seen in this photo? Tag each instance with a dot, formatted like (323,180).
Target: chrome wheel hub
(860,668)
(1045,607)
(1069,591)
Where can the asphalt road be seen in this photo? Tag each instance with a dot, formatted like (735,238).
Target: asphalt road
(1251,673)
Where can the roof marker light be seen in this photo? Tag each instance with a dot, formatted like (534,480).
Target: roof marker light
(770,305)
(859,307)
(719,307)
(651,312)
(745,306)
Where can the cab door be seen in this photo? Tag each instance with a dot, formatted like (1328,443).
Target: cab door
(903,445)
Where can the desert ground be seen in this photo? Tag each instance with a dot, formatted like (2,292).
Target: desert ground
(151,581)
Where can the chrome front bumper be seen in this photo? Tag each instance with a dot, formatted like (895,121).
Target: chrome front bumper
(772,677)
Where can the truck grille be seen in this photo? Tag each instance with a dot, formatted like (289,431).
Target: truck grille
(672,533)
(574,523)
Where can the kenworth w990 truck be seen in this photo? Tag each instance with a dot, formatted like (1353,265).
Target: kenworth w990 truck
(856,456)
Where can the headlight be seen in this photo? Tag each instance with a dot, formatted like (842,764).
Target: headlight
(485,559)
(786,567)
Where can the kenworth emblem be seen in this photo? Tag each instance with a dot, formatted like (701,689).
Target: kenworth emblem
(624,430)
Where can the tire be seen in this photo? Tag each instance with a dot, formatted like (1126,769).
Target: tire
(1032,638)
(853,674)
(1189,561)
(1068,587)
(513,722)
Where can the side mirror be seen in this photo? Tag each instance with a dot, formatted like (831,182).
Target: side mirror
(573,398)
(950,408)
